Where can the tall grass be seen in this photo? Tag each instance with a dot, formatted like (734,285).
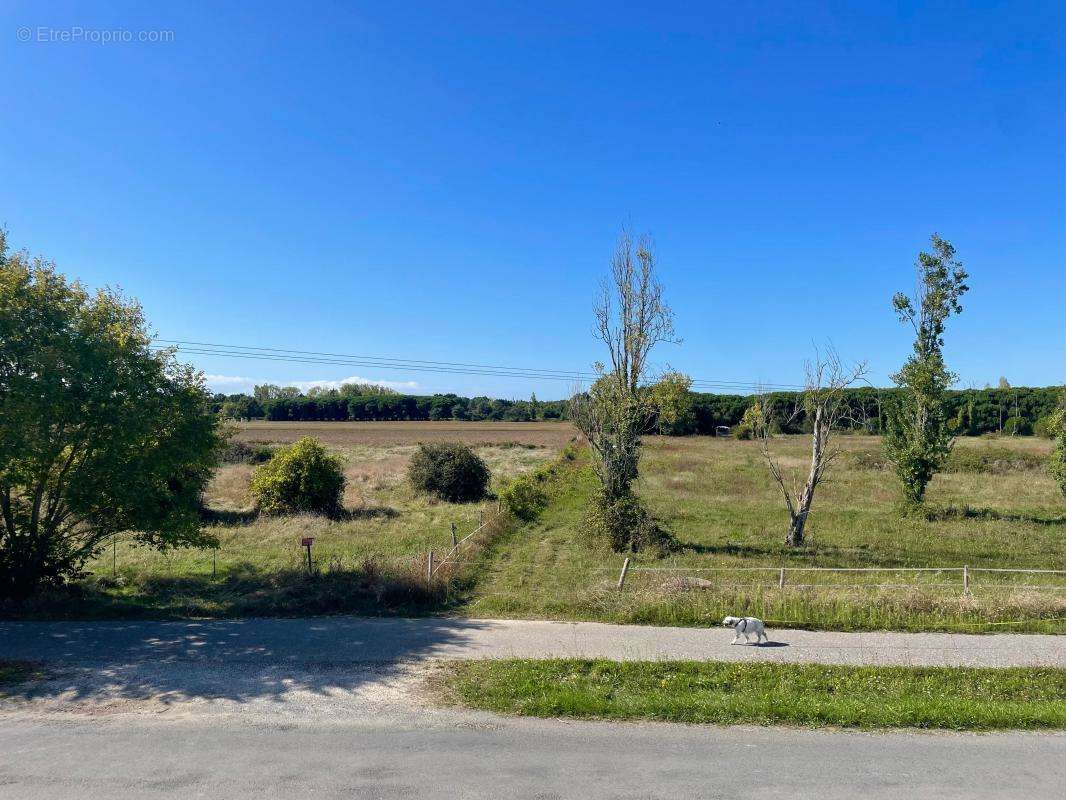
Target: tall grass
(716,498)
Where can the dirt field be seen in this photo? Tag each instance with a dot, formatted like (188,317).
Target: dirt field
(340,434)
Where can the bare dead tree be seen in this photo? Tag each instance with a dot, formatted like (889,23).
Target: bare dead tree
(632,316)
(824,401)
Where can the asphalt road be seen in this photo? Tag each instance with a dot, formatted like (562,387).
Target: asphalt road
(148,758)
(337,707)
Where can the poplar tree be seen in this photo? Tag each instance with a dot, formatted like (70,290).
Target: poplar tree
(918,438)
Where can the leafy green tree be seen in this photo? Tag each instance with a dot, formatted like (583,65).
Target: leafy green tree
(99,433)
(918,438)
(302,478)
(241,406)
(1057,426)
(672,399)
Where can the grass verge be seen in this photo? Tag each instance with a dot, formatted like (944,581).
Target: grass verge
(722,693)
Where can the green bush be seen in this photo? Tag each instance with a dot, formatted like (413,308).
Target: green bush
(450,470)
(525,498)
(625,525)
(303,478)
(1044,427)
(991,460)
(1017,426)
(243,453)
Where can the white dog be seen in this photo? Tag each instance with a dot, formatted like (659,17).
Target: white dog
(742,626)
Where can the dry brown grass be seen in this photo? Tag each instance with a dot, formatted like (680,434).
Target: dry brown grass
(228,489)
(383,434)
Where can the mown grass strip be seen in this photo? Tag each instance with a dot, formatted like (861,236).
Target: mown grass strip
(723,693)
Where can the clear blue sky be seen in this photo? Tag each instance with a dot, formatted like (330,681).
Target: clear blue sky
(446,180)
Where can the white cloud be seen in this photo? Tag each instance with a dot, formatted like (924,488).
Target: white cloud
(232,384)
(303,386)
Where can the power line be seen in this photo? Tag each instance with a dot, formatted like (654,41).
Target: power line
(423,365)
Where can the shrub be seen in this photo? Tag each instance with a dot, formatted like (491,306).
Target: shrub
(305,477)
(450,470)
(1045,427)
(525,498)
(991,460)
(244,453)
(1017,426)
(625,524)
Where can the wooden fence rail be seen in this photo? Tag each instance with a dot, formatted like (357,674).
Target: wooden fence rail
(966,573)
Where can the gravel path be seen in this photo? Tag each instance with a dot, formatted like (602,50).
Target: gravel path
(324,640)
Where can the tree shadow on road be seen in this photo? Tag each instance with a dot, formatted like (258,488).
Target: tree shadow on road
(242,661)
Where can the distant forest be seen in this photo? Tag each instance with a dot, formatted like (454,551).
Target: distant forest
(1013,410)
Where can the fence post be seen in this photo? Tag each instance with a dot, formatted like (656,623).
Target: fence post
(429,566)
(781,579)
(625,569)
(965,579)
(455,541)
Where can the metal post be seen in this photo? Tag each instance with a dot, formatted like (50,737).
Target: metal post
(455,539)
(214,563)
(781,579)
(966,579)
(429,566)
(114,557)
(308,559)
(625,569)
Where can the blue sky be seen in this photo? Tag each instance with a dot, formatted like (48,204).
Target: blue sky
(446,181)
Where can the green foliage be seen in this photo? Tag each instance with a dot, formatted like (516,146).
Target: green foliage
(612,417)
(1057,462)
(672,400)
(1045,427)
(302,478)
(918,437)
(99,433)
(623,522)
(1017,426)
(750,423)
(237,452)
(991,460)
(524,498)
(528,495)
(724,693)
(450,470)
(241,406)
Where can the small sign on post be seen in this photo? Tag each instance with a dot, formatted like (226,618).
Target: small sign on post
(307,541)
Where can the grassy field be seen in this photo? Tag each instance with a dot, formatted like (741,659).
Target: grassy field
(995,508)
(716,497)
(259,567)
(812,695)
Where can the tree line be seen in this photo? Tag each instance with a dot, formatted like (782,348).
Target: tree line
(970,412)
